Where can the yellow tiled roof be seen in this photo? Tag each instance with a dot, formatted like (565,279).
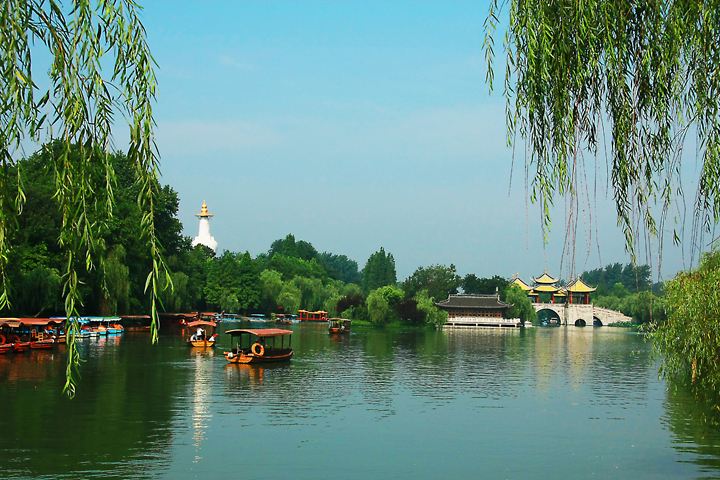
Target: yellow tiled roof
(546,279)
(578,286)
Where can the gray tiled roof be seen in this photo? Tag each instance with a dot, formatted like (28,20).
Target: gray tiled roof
(473,301)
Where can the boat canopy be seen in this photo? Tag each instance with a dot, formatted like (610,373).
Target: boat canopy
(99,319)
(199,323)
(260,332)
(29,322)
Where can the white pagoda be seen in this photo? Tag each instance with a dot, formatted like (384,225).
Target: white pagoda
(204,237)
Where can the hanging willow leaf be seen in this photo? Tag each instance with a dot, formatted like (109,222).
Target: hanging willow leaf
(77,109)
(648,69)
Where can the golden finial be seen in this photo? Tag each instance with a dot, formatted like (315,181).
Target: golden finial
(204,213)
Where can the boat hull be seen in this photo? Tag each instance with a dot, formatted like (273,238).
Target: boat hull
(43,345)
(21,346)
(250,358)
(6,348)
(201,343)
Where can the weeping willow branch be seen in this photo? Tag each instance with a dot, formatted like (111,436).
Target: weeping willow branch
(77,108)
(649,69)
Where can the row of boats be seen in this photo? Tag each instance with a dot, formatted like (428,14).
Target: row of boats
(258,345)
(23,334)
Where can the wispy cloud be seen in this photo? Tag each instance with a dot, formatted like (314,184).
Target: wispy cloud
(200,138)
(231,61)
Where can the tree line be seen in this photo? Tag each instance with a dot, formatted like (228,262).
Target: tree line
(291,275)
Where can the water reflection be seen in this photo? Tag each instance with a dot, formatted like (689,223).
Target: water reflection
(403,399)
(202,390)
(694,425)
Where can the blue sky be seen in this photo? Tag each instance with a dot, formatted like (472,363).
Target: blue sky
(353,125)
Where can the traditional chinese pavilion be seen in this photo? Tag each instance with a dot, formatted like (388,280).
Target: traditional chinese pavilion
(477,310)
(546,289)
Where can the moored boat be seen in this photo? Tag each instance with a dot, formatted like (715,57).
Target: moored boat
(20,346)
(317,316)
(282,319)
(43,344)
(6,348)
(259,345)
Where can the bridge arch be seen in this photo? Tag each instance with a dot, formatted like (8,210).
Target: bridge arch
(549,317)
(580,322)
(597,322)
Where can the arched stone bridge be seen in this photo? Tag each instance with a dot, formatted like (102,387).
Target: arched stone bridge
(581,315)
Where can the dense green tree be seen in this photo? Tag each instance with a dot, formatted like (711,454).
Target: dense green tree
(438,281)
(272,284)
(312,292)
(340,267)
(521,306)
(407,311)
(379,271)
(348,301)
(194,262)
(472,284)
(179,298)
(70,72)
(289,297)
(381,304)
(633,278)
(433,315)
(291,267)
(689,340)
(290,247)
(115,295)
(39,226)
(233,282)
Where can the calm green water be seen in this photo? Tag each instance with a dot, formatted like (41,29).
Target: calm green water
(567,402)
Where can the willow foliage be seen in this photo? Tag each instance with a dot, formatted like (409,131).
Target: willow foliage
(99,66)
(690,337)
(645,71)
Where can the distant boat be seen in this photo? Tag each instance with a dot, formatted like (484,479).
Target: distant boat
(259,345)
(200,338)
(338,326)
(317,316)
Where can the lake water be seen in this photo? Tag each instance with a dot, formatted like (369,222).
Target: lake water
(563,402)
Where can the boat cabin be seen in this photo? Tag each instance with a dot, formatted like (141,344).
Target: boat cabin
(201,334)
(337,326)
(317,316)
(259,345)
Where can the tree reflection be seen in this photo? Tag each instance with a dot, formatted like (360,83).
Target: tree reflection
(694,423)
(120,417)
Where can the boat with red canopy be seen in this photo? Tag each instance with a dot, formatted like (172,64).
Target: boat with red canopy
(259,345)
(200,338)
(29,333)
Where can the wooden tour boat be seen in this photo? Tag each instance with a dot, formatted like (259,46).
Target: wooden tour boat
(200,338)
(259,345)
(317,316)
(23,334)
(338,326)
